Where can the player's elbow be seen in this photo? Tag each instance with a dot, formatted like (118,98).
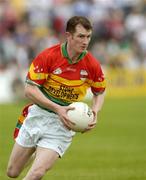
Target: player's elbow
(28,92)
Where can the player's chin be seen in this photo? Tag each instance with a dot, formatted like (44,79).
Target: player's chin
(81,49)
(84,49)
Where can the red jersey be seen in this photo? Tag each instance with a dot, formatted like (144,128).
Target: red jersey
(62,81)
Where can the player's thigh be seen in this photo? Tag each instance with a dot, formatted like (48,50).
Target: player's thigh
(19,156)
(45,159)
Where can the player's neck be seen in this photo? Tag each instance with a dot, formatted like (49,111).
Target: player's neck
(72,54)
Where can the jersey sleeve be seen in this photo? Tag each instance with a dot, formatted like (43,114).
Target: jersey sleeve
(38,71)
(98,84)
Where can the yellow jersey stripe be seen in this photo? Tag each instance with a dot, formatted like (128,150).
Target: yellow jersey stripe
(38,75)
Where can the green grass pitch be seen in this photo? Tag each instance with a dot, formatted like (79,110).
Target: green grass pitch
(114,150)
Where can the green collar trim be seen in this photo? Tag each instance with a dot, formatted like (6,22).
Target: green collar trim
(65,54)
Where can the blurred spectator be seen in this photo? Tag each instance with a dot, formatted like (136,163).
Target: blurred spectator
(135,20)
(29,26)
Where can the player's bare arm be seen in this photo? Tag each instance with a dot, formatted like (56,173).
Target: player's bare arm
(97,103)
(33,93)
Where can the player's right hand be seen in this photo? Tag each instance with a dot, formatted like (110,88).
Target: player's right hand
(62,112)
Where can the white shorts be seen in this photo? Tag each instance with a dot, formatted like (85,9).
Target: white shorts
(44,129)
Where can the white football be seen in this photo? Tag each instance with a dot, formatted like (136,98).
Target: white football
(82,115)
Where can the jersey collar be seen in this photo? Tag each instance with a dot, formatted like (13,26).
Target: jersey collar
(65,54)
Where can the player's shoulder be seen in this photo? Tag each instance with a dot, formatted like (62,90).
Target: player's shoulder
(92,60)
(53,49)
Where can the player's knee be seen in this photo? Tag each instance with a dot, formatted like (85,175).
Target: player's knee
(12,172)
(38,173)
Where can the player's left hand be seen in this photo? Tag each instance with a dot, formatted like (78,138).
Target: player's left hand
(92,124)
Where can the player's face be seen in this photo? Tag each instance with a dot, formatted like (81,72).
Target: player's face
(79,40)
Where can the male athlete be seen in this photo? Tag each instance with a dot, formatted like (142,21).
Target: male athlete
(57,77)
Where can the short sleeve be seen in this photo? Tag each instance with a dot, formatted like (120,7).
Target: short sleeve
(38,71)
(98,82)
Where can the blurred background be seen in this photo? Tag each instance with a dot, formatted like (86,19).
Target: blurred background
(119,40)
(116,148)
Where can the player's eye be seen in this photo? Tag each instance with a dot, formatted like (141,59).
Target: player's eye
(81,36)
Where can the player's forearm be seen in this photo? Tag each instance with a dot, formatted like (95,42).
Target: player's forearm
(35,95)
(97,102)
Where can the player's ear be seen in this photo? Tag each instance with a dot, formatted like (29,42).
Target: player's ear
(68,35)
